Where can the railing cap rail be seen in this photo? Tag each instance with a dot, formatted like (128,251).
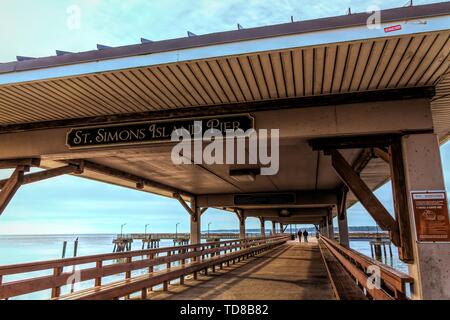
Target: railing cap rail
(363,259)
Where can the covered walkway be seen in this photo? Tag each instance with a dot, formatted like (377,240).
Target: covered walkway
(290,272)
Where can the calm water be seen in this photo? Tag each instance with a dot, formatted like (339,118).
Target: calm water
(19,249)
(363,246)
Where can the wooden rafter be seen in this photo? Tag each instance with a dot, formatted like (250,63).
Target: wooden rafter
(383,154)
(240,215)
(184,204)
(400,196)
(46,174)
(140,181)
(364,195)
(11,186)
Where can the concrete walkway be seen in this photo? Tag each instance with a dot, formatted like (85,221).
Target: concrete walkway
(290,272)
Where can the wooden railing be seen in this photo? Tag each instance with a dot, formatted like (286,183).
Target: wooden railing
(178,261)
(392,283)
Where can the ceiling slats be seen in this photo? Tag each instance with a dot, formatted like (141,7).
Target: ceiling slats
(393,62)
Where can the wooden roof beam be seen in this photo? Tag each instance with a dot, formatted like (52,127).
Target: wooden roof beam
(364,195)
(383,154)
(47,174)
(183,203)
(240,107)
(11,186)
(102,169)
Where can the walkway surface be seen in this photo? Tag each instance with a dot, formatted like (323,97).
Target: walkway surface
(292,271)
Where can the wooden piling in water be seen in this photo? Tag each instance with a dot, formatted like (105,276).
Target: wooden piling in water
(64,250)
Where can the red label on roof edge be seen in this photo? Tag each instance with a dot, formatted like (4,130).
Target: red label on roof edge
(393,28)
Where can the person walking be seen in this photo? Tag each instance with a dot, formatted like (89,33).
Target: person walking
(299,233)
(305,235)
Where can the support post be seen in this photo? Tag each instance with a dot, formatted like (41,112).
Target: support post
(263,227)
(342,218)
(343,231)
(400,197)
(330,225)
(195,235)
(241,216)
(281,228)
(274,228)
(423,171)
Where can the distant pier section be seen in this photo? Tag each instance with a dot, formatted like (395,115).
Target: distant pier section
(123,242)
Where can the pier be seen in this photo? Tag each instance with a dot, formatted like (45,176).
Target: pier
(273,267)
(343,109)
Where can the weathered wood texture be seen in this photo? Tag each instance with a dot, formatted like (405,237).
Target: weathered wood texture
(293,271)
(400,196)
(392,282)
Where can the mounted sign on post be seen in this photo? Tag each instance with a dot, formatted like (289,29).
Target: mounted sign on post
(431,216)
(151,131)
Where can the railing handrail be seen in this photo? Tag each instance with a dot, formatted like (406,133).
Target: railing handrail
(29,285)
(367,261)
(393,278)
(49,264)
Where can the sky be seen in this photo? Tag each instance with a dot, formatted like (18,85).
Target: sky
(73,205)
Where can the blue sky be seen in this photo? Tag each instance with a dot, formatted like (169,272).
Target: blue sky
(74,205)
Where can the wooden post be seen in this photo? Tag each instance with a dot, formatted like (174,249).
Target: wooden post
(330,224)
(400,197)
(195,235)
(56,291)
(98,281)
(263,227)
(169,253)
(64,250)
(241,216)
(128,273)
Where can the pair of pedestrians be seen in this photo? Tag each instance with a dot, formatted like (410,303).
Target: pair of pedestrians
(304,234)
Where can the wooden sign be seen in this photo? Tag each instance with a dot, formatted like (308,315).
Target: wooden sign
(152,131)
(431,216)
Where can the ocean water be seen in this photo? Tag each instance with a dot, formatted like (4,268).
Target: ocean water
(21,249)
(363,246)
